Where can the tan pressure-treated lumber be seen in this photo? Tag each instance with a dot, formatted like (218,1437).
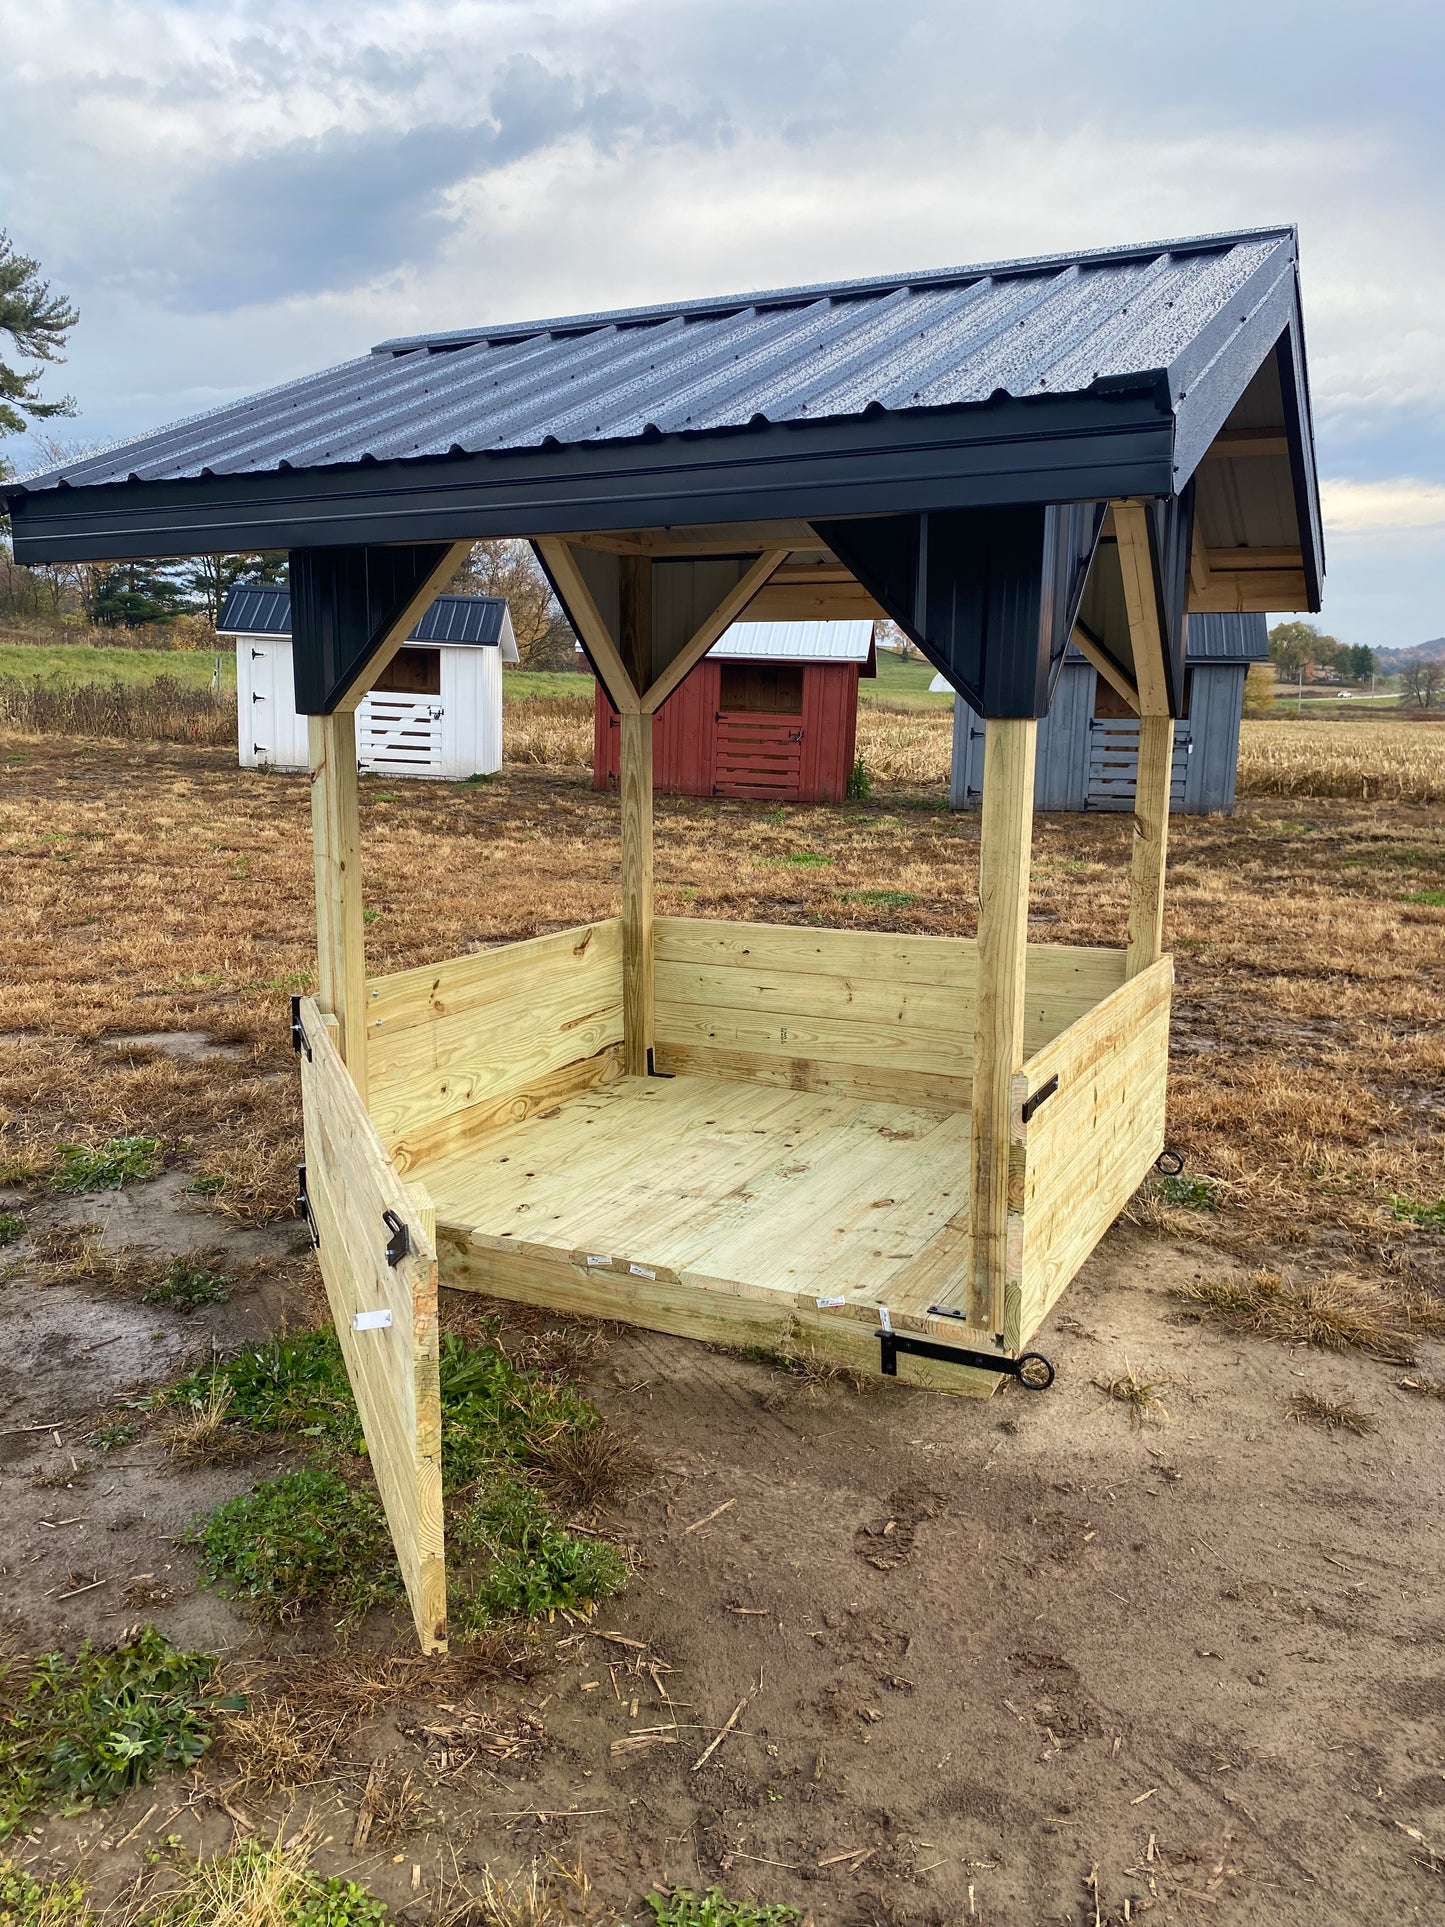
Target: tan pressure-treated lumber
(1151,843)
(733,604)
(336,849)
(1136,566)
(595,635)
(1006,835)
(393,1365)
(406,620)
(635,787)
(1091,1142)
(1110,670)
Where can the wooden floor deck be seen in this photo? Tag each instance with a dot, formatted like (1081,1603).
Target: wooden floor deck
(720,1181)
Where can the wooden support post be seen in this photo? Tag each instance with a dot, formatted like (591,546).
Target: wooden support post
(637,970)
(998,1051)
(340,927)
(1151,843)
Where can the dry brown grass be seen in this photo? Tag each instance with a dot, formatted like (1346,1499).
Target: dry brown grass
(165,889)
(163,711)
(1139,1394)
(593,1468)
(275,1746)
(909,747)
(1371,762)
(545,1893)
(1330,1415)
(1336,1313)
(550,732)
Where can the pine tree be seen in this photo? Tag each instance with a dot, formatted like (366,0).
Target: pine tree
(38,324)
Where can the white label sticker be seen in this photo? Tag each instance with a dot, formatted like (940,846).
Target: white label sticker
(883,1319)
(370,1321)
(595,1258)
(641,1271)
(831,1304)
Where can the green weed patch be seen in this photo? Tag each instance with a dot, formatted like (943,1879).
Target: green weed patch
(305,1539)
(1194,1193)
(25,1902)
(1435,899)
(1420,1212)
(123,1160)
(536,1567)
(77,1733)
(187,1286)
(882,899)
(713,1909)
(12,1228)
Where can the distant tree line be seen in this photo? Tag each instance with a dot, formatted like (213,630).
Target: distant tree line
(1297,648)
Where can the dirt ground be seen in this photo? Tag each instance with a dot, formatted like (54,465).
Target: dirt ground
(1048,1658)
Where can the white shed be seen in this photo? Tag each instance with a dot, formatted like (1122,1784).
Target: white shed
(435,711)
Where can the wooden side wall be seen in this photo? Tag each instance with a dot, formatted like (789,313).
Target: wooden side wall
(1090,1145)
(457,1046)
(862,1012)
(393,1370)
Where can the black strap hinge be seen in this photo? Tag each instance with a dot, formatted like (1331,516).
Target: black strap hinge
(299,1040)
(1031,1104)
(303,1207)
(398,1246)
(1032,1370)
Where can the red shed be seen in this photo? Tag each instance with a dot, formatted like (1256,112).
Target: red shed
(771,711)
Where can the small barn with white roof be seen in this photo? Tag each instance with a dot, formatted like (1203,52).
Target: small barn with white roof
(771,711)
(436,710)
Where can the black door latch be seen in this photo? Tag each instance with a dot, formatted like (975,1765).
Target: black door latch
(1032,1370)
(398,1246)
(303,1207)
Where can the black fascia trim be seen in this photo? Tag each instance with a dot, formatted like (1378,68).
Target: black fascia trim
(1210,393)
(1304,476)
(1059,449)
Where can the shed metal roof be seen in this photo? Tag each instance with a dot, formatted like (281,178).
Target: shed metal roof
(795,642)
(1061,378)
(1096,321)
(479,621)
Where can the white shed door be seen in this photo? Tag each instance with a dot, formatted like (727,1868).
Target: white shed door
(262,722)
(399,734)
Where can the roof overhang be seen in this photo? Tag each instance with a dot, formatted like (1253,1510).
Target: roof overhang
(1051,449)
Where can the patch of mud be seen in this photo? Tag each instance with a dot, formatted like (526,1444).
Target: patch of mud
(186,1046)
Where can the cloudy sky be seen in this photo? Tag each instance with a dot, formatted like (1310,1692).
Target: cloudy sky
(238,191)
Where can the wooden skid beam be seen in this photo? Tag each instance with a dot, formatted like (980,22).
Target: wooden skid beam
(719,1317)
(998,1054)
(336,848)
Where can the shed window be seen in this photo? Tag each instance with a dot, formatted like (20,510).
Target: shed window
(412,672)
(761,687)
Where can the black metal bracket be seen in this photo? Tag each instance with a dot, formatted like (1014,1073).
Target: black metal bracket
(303,1207)
(398,1246)
(1031,1104)
(1171,1163)
(1032,1370)
(299,1040)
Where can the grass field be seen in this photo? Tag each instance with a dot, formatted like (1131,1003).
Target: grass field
(68,663)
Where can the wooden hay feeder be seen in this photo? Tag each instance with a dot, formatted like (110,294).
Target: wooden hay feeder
(898,1150)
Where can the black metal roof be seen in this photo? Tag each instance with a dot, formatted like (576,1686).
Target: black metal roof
(1058,378)
(1217,638)
(252,609)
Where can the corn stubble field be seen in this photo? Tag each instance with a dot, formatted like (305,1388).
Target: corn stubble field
(154,888)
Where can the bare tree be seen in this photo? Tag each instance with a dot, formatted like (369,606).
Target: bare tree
(1423,683)
(509,568)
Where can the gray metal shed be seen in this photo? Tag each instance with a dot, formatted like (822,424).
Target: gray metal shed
(1088,754)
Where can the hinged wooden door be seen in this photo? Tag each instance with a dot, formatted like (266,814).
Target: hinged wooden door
(378,1260)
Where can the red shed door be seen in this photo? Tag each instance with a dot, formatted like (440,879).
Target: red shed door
(759,756)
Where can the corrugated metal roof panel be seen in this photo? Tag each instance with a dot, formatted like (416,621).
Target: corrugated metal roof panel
(1054,325)
(476,621)
(795,642)
(1224,638)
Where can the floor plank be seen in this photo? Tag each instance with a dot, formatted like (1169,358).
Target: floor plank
(793,1191)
